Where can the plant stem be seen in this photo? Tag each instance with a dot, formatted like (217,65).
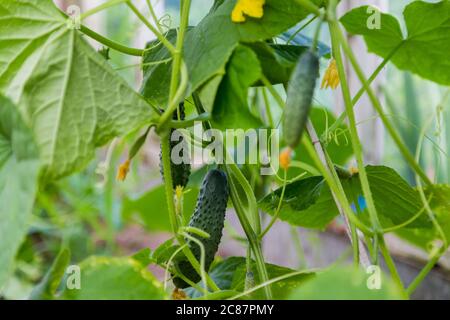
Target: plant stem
(338,192)
(351,117)
(376,104)
(233,172)
(158,35)
(424,272)
(300,29)
(101,7)
(165,150)
(277,213)
(325,166)
(298,247)
(153,14)
(267,107)
(361,91)
(177,64)
(110,43)
(391,265)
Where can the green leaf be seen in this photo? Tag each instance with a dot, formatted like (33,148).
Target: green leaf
(210,44)
(46,289)
(230,274)
(345,283)
(231,108)
(164,252)
(19,170)
(157,70)
(424,51)
(66,91)
(153,211)
(424,238)
(105,278)
(307,203)
(395,200)
(143,256)
(277,60)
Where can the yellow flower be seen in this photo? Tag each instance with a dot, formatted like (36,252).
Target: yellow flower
(252,8)
(353,170)
(179,191)
(123,170)
(331,77)
(178,294)
(285,158)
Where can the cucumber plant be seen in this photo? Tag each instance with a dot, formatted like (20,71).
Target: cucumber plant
(246,65)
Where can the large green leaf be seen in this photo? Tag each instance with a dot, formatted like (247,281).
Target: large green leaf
(395,200)
(277,60)
(307,203)
(153,210)
(346,283)
(210,44)
(439,201)
(423,51)
(105,278)
(231,108)
(19,169)
(230,274)
(66,91)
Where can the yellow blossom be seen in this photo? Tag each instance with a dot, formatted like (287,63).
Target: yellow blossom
(123,170)
(331,77)
(285,158)
(353,170)
(178,294)
(251,8)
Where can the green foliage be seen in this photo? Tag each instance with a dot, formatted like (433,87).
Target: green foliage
(60,100)
(423,51)
(345,283)
(231,107)
(105,278)
(309,203)
(70,96)
(395,200)
(230,274)
(46,289)
(438,197)
(19,169)
(153,211)
(208,48)
(277,60)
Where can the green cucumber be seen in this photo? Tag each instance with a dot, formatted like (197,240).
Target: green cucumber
(299,97)
(209,216)
(180,172)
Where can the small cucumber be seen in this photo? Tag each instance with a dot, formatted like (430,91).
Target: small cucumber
(299,97)
(180,172)
(209,216)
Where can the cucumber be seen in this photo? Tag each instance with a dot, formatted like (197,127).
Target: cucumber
(299,97)
(180,172)
(209,216)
